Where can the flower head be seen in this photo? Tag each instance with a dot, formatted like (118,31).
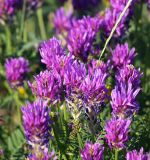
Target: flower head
(92,152)
(62,21)
(124,100)
(94,89)
(82,35)
(8,7)
(36,122)
(49,50)
(135,155)
(129,74)
(117,132)
(110,18)
(122,56)
(48,84)
(16,70)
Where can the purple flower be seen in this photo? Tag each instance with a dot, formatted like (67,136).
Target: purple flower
(129,74)
(135,155)
(94,89)
(48,84)
(96,64)
(118,4)
(49,50)
(110,18)
(123,100)
(16,70)
(117,132)
(82,36)
(92,152)
(122,56)
(8,7)
(73,77)
(36,122)
(62,21)
(1,152)
(148,4)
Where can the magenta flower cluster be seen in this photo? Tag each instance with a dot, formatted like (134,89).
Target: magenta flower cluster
(127,87)
(117,132)
(82,35)
(112,14)
(92,152)
(16,70)
(36,122)
(135,155)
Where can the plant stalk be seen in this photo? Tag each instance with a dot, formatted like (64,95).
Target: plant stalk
(8,40)
(116,154)
(41,23)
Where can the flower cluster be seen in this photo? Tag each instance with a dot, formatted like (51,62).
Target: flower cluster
(82,35)
(36,122)
(124,100)
(117,132)
(127,81)
(16,70)
(122,55)
(92,151)
(112,14)
(8,7)
(48,85)
(50,52)
(62,21)
(135,155)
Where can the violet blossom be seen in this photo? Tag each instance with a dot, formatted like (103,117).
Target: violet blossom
(92,152)
(135,155)
(16,70)
(117,132)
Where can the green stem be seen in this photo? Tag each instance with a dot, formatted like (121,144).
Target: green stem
(23,19)
(25,37)
(41,23)
(19,104)
(79,140)
(116,154)
(115,26)
(8,40)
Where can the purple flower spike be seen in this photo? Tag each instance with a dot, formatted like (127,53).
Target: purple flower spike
(82,36)
(94,89)
(92,152)
(124,100)
(129,74)
(135,155)
(62,21)
(73,77)
(117,132)
(96,64)
(122,56)
(8,8)
(49,50)
(16,70)
(47,85)
(36,122)
(110,18)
